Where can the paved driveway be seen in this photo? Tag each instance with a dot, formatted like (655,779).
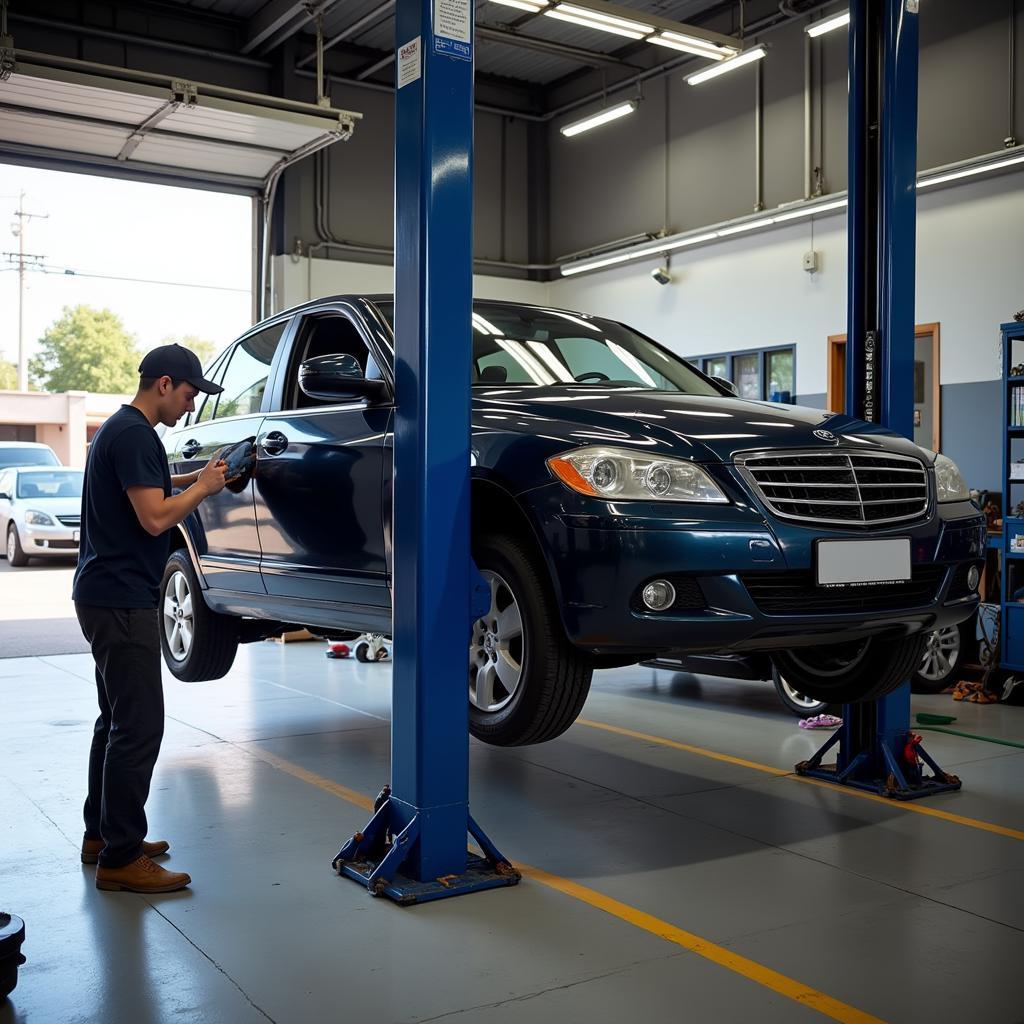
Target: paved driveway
(37,616)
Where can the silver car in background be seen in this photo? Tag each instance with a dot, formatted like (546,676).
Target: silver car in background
(40,512)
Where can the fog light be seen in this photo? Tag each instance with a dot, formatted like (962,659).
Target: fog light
(973,578)
(659,595)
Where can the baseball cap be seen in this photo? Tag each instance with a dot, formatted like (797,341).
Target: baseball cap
(178,362)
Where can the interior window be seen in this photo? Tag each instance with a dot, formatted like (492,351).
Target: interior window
(328,334)
(245,378)
(207,403)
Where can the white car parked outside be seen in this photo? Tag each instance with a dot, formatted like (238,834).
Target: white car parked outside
(40,512)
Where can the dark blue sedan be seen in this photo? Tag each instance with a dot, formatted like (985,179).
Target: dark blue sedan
(624,506)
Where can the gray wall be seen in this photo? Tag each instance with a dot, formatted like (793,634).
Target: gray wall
(611,183)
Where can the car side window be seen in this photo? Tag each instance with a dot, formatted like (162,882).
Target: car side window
(245,377)
(325,334)
(6,483)
(207,403)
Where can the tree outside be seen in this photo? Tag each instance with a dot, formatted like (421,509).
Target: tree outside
(8,376)
(87,349)
(202,347)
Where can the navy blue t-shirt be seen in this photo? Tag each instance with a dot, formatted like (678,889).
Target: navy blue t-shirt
(119,564)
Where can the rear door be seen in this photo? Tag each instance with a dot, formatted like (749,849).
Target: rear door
(224,525)
(318,487)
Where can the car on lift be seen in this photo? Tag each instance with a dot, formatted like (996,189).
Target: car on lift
(624,506)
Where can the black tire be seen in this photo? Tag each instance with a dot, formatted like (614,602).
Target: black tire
(553,675)
(363,652)
(945,651)
(796,701)
(15,552)
(214,641)
(854,672)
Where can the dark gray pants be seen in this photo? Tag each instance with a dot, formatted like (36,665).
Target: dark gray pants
(126,740)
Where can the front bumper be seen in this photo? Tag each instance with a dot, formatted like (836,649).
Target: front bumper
(49,541)
(600,559)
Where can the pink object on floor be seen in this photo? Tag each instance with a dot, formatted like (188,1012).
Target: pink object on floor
(820,722)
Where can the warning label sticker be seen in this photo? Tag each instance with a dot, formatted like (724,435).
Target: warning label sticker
(453,27)
(409,62)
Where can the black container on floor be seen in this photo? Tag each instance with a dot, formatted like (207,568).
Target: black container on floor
(12,935)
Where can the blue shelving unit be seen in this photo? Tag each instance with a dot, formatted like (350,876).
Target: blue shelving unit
(1011,630)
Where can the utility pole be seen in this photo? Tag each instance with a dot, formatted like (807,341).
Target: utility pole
(18,229)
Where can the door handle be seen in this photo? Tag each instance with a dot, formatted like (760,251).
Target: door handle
(190,449)
(274,443)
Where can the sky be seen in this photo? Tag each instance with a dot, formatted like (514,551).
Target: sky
(126,229)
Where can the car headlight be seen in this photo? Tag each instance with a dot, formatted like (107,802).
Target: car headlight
(39,519)
(949,483)
(625,475)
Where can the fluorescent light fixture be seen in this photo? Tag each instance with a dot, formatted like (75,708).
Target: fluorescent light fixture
(839,204)
(970,172)
(819,28)
(692,44)
(588,23)
(750,225)
(747,57)
(533,6)
(603,117)
(607,19)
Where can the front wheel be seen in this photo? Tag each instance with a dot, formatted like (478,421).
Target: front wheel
(15,552)
(942,652)
(197,643)
(527,683)
(795,700)
(853,672)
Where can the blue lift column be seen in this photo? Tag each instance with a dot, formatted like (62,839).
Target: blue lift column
(415,847)
(877,750)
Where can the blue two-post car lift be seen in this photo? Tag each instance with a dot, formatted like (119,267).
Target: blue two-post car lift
(877,749)
(415,847)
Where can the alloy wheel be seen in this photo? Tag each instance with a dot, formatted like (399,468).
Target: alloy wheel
(12,550)
(799,698)
(179,626)
(497,650)
(941,654)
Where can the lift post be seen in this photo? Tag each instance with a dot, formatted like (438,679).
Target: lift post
(877,750)
(415,847)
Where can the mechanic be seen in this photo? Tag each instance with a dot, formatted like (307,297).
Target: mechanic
(127,509)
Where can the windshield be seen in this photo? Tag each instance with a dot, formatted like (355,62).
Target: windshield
(523,345)
(27,457)
(64,483)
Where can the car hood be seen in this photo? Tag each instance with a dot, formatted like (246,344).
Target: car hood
(704,428)
(51,506)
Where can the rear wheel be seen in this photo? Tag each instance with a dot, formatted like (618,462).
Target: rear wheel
(527,683)
(197,643)
(853,672)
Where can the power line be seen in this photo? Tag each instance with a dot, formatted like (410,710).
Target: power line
(70,272)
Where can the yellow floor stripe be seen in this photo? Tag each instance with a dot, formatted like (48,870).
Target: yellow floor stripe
(902,805)
(750,969)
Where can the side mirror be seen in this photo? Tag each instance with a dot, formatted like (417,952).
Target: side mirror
(338,378)
(4,496)
(727,384)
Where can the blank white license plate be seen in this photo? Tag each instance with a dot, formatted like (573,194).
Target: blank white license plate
(74,536)
(844,562)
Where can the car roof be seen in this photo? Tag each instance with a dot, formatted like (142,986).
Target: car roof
(24,444)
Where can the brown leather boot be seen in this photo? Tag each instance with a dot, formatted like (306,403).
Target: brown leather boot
(141,875)
(92,848)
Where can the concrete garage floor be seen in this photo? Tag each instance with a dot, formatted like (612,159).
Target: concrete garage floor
(665,884)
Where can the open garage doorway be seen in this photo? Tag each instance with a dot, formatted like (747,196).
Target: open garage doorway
(101,269)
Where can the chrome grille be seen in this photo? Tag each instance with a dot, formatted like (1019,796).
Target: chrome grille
(840,487)
(70,520)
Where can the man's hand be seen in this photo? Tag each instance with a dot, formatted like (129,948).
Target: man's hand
(211,477)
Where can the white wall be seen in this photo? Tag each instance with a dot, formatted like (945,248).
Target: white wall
(748,292)
(297,281)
